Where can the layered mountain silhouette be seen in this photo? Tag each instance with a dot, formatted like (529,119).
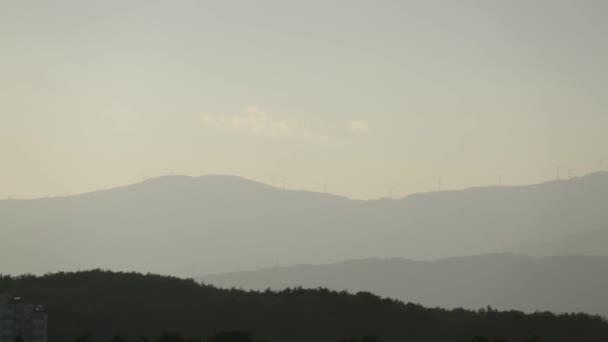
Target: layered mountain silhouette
(506,281)
(190,226)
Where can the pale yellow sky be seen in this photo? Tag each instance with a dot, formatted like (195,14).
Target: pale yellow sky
(358,95)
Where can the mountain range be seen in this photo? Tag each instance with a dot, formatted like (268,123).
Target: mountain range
(563,284)
(188,226)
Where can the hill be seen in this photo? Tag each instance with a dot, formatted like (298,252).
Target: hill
(558,284)
(190,226)
(593,242)
(105,303)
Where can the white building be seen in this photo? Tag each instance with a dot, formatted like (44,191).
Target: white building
(21,322)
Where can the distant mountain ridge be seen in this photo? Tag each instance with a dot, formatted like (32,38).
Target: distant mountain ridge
(198,225)
(574,283)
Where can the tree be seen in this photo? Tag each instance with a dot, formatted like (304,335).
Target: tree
(118,338)
(533,339)
(369,338)
(232,336)
(87,337)
(171,337)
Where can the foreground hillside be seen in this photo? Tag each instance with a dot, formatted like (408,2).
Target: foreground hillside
(573,283)
(133,304)
(191,226)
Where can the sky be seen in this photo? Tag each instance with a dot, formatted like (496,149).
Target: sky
(357,96)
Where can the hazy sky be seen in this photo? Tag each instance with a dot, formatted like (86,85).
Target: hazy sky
(356,94)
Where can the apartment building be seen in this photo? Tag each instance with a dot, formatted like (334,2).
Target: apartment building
(21,322)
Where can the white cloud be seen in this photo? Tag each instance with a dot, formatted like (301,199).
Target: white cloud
(259,123)
(358,127)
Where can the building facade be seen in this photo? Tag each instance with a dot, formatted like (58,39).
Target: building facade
(20,321)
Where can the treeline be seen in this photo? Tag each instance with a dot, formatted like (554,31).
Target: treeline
(243,336)
(103,303)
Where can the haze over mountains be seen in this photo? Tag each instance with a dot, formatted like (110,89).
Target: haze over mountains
(191,226)
(504,281)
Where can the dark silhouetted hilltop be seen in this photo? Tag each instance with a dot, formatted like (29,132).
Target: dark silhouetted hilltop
(105,303)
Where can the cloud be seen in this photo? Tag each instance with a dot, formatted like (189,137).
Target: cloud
(260,123)
(358,127)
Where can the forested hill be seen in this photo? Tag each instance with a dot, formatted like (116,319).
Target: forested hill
(133,304)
